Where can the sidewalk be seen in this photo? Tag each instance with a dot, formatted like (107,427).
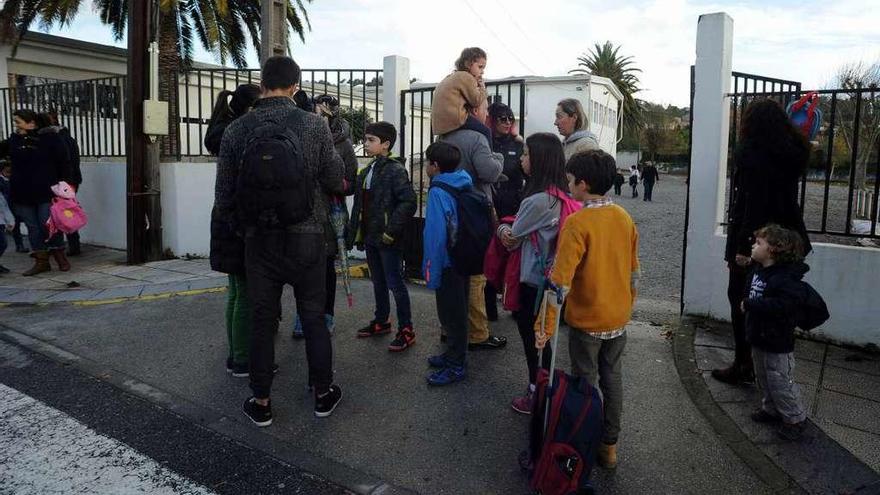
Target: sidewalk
(841,391)
(101,274)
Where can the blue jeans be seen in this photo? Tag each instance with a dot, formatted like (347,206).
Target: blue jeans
(35,216)
(386,272)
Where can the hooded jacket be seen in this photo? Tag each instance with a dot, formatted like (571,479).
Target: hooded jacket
(508,194)
(765,190)
(389,203)
(441,223)
(579,141)
(344,148)
(477,159)
(775,295)
(39,160)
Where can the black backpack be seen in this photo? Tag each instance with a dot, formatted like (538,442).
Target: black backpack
(813,312)
(275,189)
(475,226)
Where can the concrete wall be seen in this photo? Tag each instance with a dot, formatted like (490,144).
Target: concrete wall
(845,276)
(626,159)
(102,196)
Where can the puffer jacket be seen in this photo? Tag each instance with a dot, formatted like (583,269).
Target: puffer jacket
(392,202)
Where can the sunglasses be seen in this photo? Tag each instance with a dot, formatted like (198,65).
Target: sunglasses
(506,119)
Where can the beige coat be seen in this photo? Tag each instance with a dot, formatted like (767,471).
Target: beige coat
(454,95)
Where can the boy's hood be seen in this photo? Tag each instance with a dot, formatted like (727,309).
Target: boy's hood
(795,270)
(458,179)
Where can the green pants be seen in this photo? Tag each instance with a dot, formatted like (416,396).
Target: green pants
(238,320)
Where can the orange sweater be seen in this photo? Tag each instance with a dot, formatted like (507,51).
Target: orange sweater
(598,259)
(453,96)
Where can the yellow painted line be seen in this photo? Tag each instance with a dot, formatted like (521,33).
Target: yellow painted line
(150,297)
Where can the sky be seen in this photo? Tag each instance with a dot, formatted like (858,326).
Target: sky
(804,40)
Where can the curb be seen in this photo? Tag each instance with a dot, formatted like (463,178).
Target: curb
(350,478)
(759,463)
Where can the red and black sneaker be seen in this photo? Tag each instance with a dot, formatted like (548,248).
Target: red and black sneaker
(374,328)
(405,338)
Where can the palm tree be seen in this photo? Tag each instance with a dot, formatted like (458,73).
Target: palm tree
(222,27)
(604,61)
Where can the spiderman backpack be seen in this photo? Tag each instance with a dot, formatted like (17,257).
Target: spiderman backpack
(805,114)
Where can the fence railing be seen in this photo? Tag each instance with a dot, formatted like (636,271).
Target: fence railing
(93,110)
(357,90)
(845,156)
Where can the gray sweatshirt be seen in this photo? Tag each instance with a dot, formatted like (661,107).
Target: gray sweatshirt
(477,158)
(537,213)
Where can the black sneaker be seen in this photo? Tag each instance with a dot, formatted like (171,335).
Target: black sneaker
(229,364)
(762,416)
(260,415)
(374,328)
(325,403)
(243,370)
(792,432)
(3,269)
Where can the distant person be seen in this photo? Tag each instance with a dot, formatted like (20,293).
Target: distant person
(459,93)
(650,176)
(769,160)
(283,226)
(451,288)
(7,223)
(484,167)
(39,160)
(634,180)
(74,247)
(384,202)
(775,297)
(328,108)
(573,125)
(598,262)
(227,236)
(534,233)
(619,181)
(6,190)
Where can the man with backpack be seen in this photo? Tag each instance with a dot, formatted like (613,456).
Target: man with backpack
(274,163)
(458,221)
(484,167)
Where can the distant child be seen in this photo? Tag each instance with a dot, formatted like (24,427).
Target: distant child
(598,261)
(618,182)
(384,201)
(634,180)
(775,295)
(460,92)
(441,223)
(7,223)
(6,191)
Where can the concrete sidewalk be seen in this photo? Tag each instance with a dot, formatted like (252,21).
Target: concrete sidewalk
(391,430)
(841,391)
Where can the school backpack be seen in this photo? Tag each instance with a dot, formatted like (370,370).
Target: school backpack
(475,228)
(65,213)
(805,114)
(562,458)
(275,189)
(813,312)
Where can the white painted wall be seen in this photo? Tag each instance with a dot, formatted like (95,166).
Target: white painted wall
(187,199)
(845,276)
(626,159)
(102,196)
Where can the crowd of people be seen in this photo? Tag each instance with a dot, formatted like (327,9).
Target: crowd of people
(38,155)
(286,164)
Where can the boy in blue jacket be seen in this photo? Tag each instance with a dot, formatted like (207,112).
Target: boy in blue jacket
(441,221)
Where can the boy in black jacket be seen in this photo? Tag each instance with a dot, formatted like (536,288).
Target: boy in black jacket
(775,296)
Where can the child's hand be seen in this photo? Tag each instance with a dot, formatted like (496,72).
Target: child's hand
(387,239)
(541,339)
(742,306)
(507,239)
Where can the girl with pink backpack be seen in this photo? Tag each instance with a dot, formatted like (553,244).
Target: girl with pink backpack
(545,206)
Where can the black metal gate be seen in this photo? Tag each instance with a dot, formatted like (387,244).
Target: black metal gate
(416,134)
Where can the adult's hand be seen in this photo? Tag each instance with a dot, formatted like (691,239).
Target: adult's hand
(507,239)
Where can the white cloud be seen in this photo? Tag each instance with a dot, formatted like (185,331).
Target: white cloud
(803,41)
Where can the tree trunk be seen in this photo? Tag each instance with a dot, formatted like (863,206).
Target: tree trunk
(169,68)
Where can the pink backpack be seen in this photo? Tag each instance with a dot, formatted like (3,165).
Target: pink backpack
(65,215)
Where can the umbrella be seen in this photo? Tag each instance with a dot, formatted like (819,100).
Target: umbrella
(338,218)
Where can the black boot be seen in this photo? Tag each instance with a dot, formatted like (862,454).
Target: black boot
(73,246)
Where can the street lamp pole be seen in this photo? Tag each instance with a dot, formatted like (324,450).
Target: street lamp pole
(273,28)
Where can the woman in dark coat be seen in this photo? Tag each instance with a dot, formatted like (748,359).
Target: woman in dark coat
(39,161)
(770,160)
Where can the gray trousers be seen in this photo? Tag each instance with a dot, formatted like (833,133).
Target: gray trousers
(782,396)
(599,362)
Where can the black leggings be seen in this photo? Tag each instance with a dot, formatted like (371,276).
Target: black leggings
(736,287)
(525,322)
(330,299)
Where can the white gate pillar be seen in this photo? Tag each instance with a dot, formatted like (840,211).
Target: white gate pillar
(704,269)
(394,80)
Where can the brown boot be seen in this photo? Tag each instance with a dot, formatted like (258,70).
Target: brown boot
(63,264)
(735,374)
(41,263)
(608,455)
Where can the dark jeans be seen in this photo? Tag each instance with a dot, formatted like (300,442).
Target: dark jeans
(452,310)
(525,322)
(3,241)
(271,261)
(35,216)
(736,287)
(617,188)
(649,189)
(635,189)
(474,124)
(386,273)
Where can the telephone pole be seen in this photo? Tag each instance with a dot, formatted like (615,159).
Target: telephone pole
(273,28)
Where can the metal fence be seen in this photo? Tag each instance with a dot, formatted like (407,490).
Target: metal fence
(93,110)
(357,90)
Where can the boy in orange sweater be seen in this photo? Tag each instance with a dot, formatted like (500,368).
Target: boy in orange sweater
(597,261)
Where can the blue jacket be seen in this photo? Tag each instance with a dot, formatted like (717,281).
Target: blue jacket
(441,220)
